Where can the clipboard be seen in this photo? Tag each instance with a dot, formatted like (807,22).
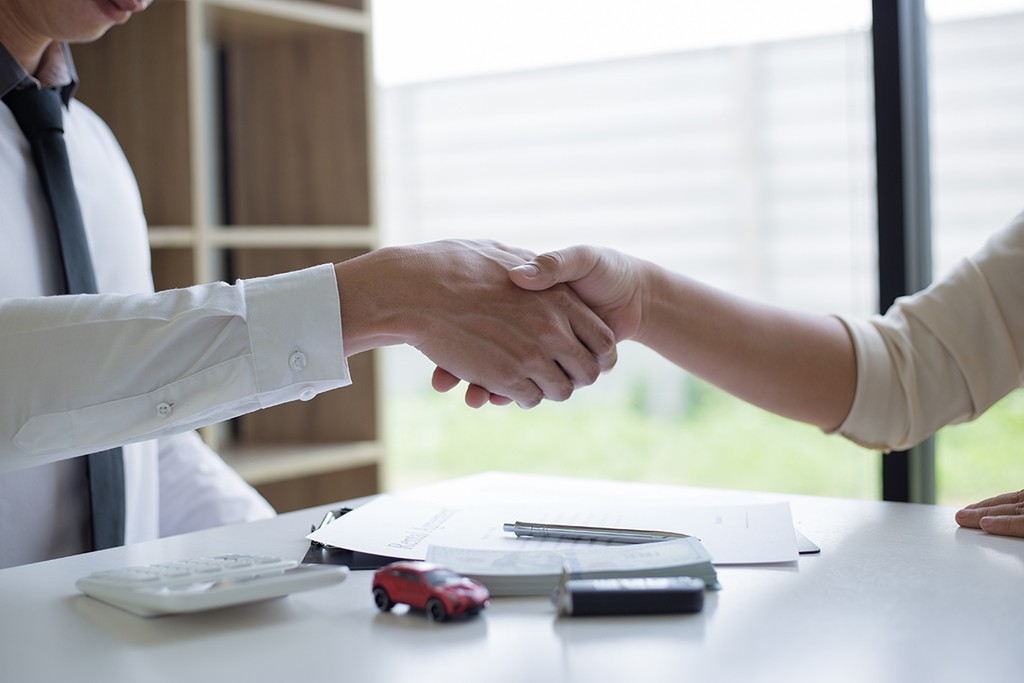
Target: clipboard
(804,545)
(323,554)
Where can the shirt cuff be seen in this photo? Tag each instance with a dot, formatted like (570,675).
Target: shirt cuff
(295,333)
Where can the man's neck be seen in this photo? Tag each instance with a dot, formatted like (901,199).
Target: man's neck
(23,44)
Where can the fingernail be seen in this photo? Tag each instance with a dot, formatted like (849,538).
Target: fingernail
(527,270)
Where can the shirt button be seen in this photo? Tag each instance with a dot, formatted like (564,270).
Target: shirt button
(297,361)
(307,394)
(164,409)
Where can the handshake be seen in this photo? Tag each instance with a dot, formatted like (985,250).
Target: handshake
(513,325)
(521,327)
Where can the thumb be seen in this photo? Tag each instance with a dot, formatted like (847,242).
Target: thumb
(553,267)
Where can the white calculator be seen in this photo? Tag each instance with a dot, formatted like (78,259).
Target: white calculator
(203,583)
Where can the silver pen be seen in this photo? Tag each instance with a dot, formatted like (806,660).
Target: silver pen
(571,532)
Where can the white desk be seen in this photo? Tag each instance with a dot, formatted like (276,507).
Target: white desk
(897,594)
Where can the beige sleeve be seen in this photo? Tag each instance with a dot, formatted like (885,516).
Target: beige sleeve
(943,355)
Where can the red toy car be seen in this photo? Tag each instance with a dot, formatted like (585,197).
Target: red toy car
(440,592)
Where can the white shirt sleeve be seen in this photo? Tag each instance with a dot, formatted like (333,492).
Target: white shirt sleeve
(944,355)
(198,490)
(84,373)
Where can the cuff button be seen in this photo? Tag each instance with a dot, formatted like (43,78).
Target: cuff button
(298,361)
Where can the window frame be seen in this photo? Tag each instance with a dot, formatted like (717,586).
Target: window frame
(903,199)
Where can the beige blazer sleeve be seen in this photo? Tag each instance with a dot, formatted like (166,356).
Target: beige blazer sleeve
(943,355)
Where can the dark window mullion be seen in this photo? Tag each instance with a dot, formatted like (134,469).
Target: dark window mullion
(904,197)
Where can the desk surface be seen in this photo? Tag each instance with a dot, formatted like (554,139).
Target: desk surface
(898,593)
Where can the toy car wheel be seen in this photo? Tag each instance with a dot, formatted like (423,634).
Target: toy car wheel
(435,610)
(382,599)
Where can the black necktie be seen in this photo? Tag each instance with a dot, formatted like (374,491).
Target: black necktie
(38,112)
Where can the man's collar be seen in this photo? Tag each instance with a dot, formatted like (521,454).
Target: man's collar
(57,67)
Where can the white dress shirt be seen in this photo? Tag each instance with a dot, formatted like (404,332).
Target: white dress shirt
(944,355)
(127,366)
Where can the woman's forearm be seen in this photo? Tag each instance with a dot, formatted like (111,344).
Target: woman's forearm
(798,365)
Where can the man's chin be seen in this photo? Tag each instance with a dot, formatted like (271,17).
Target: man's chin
(90,36)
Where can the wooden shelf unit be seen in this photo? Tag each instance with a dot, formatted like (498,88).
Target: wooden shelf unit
(249,126)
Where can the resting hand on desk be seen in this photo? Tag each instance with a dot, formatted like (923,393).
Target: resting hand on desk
(1003,515)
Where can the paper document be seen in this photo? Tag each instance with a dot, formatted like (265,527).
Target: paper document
(398,526)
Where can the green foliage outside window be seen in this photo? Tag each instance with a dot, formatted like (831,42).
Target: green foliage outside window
(715,441)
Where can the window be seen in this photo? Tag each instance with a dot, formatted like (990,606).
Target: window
(731,141)
(977,106)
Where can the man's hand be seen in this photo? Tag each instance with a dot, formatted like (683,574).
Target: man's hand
(1002,515)
(454,302)
(608,281)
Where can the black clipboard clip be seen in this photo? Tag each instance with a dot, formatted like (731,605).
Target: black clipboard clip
(329,517)
(319,553)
